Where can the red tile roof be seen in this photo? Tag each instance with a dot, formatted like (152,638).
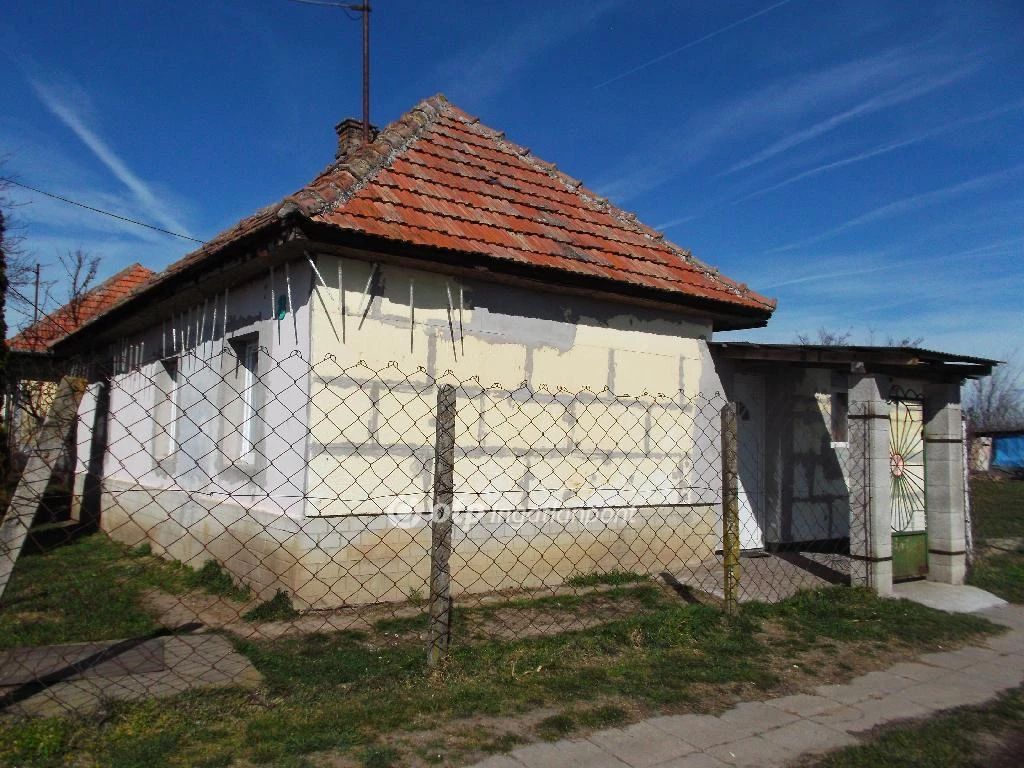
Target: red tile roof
(438,178)
(441,178)
(58,324)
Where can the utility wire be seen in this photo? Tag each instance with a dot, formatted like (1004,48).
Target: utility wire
(100,210)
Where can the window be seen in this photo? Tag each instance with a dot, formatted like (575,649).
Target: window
(248,352)
(840,417)
(166,410)
(241,399)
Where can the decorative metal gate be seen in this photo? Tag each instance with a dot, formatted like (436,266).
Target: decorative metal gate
(907,486)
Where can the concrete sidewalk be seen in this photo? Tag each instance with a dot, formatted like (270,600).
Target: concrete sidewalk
(778,731)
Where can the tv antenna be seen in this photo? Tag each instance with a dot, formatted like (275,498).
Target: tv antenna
(364,9)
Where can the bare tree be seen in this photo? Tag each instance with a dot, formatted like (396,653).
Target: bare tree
(32,398)
(996,401)
(905,341)
(825,338)
(20,267)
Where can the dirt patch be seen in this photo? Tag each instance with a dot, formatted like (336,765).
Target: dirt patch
(800,665)
(501,616)
(212,611)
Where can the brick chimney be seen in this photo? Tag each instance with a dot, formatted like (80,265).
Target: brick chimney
(350,136)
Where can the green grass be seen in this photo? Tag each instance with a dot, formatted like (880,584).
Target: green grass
(91,589)
(1002,574)
(613,578)
(647,596)
(569,721)
(997,508)
(969,737)
(352,693)
(277,608)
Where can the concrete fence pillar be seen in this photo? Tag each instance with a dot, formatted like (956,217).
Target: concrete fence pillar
(870,507)
(944,484)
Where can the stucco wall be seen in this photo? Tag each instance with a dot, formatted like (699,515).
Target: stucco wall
(377,338)
(529,352)
(272,480)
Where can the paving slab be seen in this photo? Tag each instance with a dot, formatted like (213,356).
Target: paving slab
(567,754)
(997,672)
(499,761)
(890,709)
(916,671)
(1008,615)
(805,736)
(805,704)
(753,717)
(752,751)
(960,598)
(694,760)
(1011,642)
(960,658)
(641,745)
(185,662)
(851,694)
(944,695)
(839,718)
(702,731)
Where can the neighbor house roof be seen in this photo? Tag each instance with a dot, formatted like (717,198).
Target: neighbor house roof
(438,181)
(68,318)
(902,360)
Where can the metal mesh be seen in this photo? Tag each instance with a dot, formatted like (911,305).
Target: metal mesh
(236,497)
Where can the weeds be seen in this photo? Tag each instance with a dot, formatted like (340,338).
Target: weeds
(277,608)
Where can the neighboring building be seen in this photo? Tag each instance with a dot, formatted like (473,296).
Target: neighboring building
(804,469)
(242,433)
(30,369)
(997,449)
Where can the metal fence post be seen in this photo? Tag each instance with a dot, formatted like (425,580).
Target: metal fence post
(730,507)
(439,630)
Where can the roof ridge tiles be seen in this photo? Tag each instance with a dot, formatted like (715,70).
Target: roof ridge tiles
(365,162)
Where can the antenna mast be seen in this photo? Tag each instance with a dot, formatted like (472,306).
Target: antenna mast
(363,8)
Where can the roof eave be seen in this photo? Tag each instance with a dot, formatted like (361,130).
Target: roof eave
(887,360)
(723,315)
(169,291)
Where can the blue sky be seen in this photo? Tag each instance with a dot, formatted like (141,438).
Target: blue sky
(862,161)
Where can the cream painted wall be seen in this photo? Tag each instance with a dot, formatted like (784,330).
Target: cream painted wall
(381,334)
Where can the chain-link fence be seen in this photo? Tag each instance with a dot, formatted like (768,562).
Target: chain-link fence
(172,510)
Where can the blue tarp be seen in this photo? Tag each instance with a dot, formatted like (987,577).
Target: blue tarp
(1008,451)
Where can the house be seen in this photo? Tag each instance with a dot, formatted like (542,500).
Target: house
(268,399)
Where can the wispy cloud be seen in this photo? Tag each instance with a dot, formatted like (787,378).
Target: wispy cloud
(691,44)
(771,106)
(891,98)
(1000,247)
(908,204)
(675,222)
(885,149)
(479,73)
(62,103)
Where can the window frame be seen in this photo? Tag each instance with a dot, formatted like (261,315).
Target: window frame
(241,400)
(167,412)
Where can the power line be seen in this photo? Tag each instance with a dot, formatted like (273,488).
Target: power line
(100,210)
